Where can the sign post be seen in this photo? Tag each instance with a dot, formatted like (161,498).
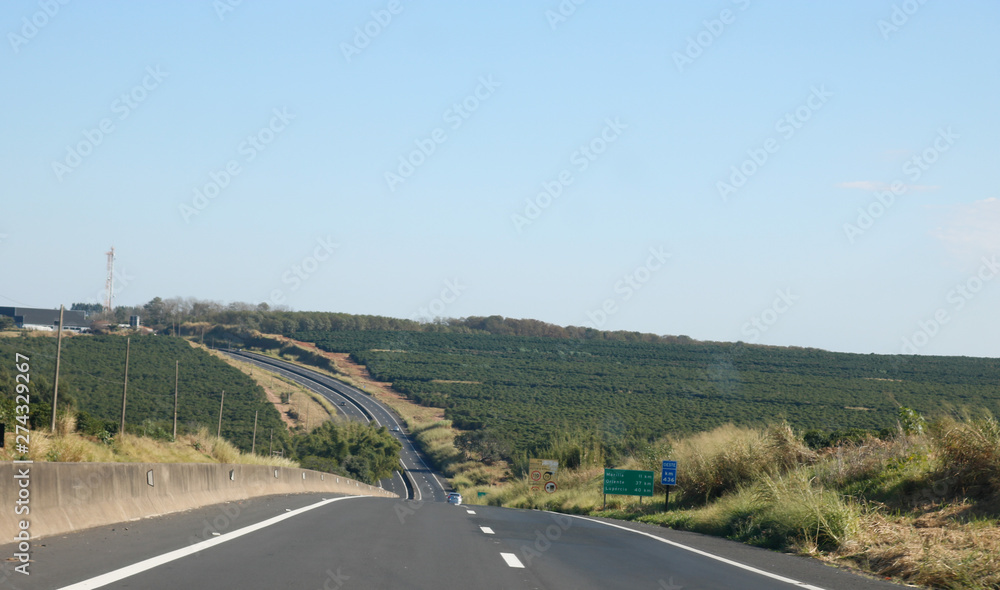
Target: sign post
(628,482)
(668,477)
(542,475)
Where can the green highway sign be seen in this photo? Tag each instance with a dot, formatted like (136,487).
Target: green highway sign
(628,482)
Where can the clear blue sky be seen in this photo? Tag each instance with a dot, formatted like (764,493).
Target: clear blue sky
(637,115)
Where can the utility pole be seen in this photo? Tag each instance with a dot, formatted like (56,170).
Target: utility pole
(128,344)
(253,445)
(177,372)
(221,403)
(55,386)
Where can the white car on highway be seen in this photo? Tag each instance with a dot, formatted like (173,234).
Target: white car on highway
(454,498)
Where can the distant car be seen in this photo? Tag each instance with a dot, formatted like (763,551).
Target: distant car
(394,429)
(454,498)
(343,403)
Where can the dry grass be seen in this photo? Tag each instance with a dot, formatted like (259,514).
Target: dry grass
(304,410)
(970,455)
(200,447)
(939,549)
(729,457)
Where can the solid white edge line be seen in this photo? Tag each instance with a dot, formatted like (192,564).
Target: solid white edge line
(512,560)
(699,552)
(148,564)
(487,530)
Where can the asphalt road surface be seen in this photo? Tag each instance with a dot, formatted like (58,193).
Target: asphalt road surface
(312,541)
(425,484)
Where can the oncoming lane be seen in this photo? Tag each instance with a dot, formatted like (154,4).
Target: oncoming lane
(425,482)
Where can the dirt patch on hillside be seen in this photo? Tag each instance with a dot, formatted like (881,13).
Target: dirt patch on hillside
(380,389)
(360,377)
(282,408)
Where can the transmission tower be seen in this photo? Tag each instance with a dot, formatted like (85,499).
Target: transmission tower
(109,285)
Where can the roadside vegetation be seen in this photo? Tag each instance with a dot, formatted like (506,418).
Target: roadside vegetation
(69,445)
(920,504)
(89,405)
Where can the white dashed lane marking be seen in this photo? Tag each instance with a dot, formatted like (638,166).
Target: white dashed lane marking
(486,530)
(512,560)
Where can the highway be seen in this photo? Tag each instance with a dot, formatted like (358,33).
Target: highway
(426,484)
(312,541)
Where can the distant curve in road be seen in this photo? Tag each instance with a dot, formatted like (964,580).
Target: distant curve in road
(423,483)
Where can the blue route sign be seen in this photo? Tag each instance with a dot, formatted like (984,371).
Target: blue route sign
(669,475)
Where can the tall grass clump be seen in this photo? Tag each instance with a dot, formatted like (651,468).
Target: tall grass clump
(875,468)
(436,439)
(970,455)
(803,515)
(787,512)
(725,459)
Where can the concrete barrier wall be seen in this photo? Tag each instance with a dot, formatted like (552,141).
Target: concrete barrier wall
(65,497)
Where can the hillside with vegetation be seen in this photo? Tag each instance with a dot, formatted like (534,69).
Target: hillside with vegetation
(531,390)
(91,382)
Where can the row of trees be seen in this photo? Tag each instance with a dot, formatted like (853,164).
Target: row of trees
(171,313)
